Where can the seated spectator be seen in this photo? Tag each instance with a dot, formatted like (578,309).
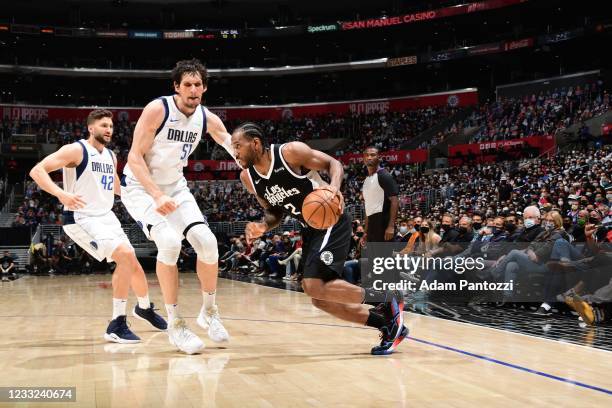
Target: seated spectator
(425,241)
(7,266)
(282,249)
(404,231)
(292,262)
(531,222)
(533,259)
(40,262)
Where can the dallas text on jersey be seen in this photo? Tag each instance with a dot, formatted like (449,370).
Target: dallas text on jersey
(183,136)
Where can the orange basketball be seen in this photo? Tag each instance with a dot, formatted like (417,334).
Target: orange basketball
(320,209)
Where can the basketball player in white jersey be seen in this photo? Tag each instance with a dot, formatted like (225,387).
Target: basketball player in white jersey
(90,183)
(156,195)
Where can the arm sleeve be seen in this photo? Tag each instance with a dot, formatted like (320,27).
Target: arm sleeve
(388,184)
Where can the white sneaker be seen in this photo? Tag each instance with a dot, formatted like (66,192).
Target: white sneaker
(184,339)
(211,321)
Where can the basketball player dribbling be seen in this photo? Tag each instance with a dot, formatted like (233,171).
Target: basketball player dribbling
(90,184)
(156,195)
(281,176)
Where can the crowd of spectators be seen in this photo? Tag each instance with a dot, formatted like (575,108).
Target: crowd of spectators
(61,132)
(545,225)
(493,189)
(543,114)
(506,118)
(37,208)
(59,256)
(387,130)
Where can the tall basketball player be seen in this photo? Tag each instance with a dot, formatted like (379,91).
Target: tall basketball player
(90,183)
(281,176)
(156,195)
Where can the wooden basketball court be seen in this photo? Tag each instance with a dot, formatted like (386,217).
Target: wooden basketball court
(283,352)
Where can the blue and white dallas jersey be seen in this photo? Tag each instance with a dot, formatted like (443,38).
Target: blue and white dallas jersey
(93,179)
(176,138)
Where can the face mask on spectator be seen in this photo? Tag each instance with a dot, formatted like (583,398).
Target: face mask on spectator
(359,234)
(574,207)
(529,222)
(462,230)
(425,230)
(510,227)
(403,229)
(549,226)
(581,222)
(593,220)
(477,225)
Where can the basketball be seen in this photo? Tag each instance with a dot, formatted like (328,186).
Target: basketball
(320,209)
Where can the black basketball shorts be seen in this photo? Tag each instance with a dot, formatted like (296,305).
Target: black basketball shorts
(325,251)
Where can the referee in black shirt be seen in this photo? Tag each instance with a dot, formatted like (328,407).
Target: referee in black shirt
(380,195)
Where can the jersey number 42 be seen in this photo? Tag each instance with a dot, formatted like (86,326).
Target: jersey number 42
(107,182)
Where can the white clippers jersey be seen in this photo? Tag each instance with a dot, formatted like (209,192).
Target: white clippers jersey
(93,179)
(177,137)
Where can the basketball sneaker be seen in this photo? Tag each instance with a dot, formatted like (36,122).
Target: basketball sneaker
(394,301)
(388,342)
(119,332)
(150,316)
(182,338)
(211,321)
(394,332)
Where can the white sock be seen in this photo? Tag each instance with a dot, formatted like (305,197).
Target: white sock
(119,306)
(144,302)
(172,311)
(546,306)
(209,299)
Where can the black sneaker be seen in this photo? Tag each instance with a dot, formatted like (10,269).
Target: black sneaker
(150,316)
(119,332)
(384,307)
(389,341)
(394,332)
